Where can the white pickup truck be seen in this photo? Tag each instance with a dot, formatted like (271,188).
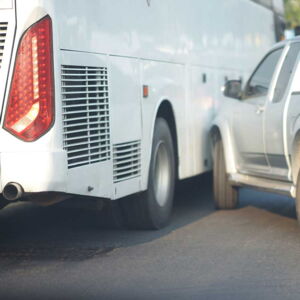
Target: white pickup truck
(256,133)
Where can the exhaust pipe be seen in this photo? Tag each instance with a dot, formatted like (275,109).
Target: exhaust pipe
(12,191)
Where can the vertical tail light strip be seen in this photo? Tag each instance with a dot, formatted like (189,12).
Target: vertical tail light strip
(30,107)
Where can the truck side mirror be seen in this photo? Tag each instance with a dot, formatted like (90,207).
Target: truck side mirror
(233,89)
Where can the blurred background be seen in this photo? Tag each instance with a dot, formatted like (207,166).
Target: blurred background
(292,15)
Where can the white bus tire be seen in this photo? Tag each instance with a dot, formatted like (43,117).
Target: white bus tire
(225,195)
(152,209)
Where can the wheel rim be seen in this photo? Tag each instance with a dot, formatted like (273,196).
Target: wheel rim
(162,174)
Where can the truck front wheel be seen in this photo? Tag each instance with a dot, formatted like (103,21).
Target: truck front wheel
(298,198)
(225,195)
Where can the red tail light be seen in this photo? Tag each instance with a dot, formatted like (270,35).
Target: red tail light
(30,107)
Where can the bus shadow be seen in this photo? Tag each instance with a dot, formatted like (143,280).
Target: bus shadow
(30,233)
(70,233)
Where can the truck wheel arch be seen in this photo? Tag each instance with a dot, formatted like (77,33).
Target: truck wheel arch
(295,157)
(219,132)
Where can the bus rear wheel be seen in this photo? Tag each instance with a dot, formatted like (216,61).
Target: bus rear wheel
(152,209)
(3,202)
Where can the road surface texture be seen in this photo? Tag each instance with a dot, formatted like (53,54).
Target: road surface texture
(61,253)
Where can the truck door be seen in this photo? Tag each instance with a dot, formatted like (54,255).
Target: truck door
(274,116)
(247,124)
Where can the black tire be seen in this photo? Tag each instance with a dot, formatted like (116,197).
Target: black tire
(3,202)
(225,195)
(152,209)
(111,216)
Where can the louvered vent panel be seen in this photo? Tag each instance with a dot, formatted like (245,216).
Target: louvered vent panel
(85,115)
(3,32)
(127,161)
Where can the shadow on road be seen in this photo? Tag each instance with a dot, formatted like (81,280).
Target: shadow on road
(28,232)
(277,204)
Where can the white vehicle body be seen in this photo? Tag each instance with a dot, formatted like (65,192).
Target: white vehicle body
(261,131)
(181,50)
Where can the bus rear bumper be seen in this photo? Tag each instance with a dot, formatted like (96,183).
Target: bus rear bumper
(35,172)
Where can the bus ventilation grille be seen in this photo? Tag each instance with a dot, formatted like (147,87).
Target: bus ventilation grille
(127,161)
(3,32)
(86,133)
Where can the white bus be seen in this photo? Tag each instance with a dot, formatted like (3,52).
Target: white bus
(112,98)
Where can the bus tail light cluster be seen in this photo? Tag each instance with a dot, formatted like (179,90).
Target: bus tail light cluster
(30,108)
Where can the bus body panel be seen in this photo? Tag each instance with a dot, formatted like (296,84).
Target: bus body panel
(182,50)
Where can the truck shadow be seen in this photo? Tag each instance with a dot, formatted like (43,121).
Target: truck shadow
(277,204)
(30,233)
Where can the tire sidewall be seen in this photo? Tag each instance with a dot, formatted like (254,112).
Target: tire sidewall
(225,195)
(297,200)
(161,214)
(216,154)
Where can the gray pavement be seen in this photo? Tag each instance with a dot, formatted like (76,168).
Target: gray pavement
(63,253)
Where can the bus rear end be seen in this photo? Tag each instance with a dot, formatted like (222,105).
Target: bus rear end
(31,156)
(115,98)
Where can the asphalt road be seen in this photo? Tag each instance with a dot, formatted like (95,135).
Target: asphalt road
(62,253)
